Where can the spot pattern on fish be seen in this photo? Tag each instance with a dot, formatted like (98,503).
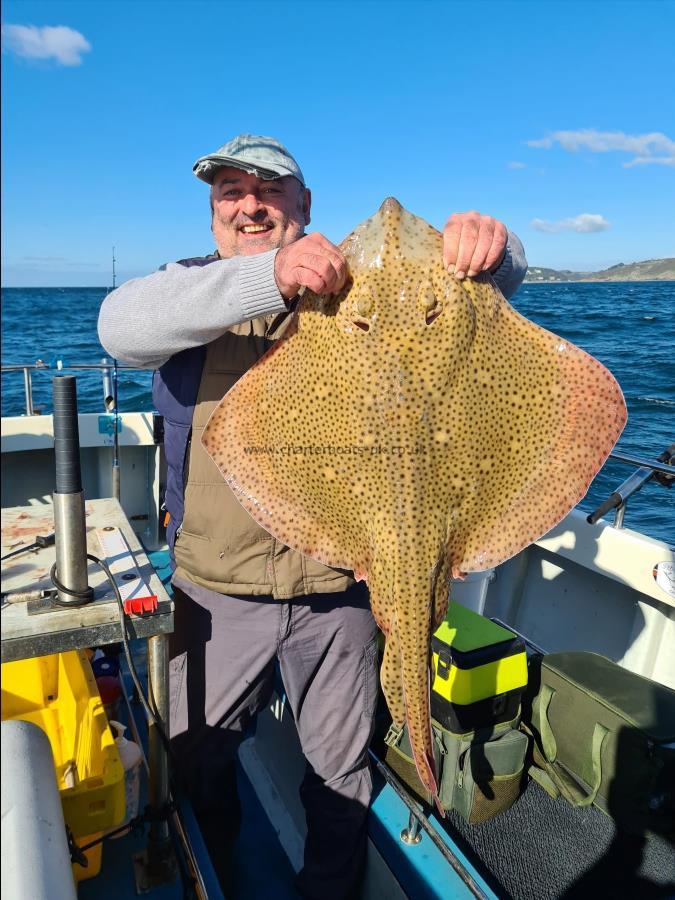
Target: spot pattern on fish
(411,428)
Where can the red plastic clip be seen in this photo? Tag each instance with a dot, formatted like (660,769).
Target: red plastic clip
(139,606)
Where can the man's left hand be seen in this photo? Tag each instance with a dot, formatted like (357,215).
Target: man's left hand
(473,243)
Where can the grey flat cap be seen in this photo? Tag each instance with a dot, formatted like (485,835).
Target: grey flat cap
(255,154)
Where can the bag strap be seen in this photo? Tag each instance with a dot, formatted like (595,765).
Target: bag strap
(544,781)
(567,787)
(540,721)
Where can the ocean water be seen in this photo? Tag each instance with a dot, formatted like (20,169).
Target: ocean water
(627,326)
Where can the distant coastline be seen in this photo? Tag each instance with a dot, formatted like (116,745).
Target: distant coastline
(647,270)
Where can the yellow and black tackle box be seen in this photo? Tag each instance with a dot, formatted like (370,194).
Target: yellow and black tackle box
(479,671)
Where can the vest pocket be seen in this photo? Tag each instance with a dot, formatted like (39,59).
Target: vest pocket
(235,552)
(184,535)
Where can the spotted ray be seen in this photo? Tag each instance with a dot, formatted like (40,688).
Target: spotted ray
(412,428)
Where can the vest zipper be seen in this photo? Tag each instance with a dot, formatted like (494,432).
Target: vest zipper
(186,466)
(186,471)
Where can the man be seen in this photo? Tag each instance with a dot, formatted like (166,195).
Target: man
(243,601)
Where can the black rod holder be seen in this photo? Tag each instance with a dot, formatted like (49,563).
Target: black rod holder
(70,570)
(66,436)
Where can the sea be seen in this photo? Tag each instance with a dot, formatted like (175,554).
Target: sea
(630,327)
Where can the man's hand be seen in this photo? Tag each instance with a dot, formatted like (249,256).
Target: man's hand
(473,243)
(311,262)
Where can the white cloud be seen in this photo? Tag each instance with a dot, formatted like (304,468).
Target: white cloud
(586,223)
(57,42)
(516,165)
(653,148)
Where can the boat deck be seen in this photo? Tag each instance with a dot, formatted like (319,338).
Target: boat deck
(543,849)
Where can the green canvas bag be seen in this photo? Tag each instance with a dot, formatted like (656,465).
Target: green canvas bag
(603,736)
(480,773)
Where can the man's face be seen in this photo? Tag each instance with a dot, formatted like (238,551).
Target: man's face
(252,215)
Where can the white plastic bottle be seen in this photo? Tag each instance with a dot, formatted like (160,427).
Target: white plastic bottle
(131,757)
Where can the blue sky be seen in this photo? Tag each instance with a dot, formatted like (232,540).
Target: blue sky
(557,117)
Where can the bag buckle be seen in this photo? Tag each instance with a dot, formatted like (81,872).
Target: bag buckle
(444,663)
(393,735)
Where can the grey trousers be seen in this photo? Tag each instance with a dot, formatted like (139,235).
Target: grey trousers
(223,654)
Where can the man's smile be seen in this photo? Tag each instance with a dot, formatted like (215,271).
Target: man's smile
(255,229)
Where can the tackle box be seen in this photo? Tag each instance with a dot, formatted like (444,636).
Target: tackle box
(479,672)
(58,693)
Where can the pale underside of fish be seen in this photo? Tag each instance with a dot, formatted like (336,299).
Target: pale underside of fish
(411,428)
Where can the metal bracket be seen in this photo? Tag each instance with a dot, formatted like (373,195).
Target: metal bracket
(38,605)
(108,422)
(154,869)
(412,834)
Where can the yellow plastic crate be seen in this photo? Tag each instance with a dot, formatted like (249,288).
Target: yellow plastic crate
(58,693)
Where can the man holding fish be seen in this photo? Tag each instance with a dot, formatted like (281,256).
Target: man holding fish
(244,601)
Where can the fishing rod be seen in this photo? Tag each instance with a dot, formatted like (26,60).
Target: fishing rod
(116,413)
(116,438)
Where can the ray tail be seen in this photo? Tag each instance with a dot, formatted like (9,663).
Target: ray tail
(406,602)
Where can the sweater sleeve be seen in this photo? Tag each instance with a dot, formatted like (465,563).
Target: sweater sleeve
(147,320)
(513,267)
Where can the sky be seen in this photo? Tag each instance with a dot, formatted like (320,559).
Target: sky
(556,117)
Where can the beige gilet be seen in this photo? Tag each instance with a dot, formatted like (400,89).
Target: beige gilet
(219,545)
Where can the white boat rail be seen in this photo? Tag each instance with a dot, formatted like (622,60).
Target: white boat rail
(108,368)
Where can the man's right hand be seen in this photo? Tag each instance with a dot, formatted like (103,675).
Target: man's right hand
(311,262)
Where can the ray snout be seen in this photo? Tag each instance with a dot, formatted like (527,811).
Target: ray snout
(390,205)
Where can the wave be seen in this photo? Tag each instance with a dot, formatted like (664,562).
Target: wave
(659,401)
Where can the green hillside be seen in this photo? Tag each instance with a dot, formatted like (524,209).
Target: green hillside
(647,270)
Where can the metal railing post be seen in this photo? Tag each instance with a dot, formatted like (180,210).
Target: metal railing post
(157,865)
(28,387)
(107,385)
(412,834)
